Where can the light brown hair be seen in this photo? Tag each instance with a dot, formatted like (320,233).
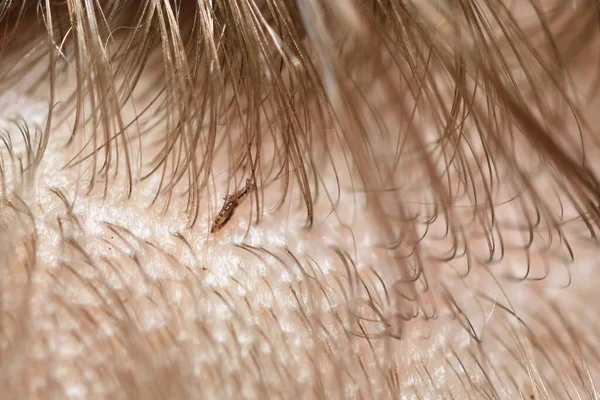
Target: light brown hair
(463,133)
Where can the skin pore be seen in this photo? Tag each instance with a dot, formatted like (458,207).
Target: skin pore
(420,217)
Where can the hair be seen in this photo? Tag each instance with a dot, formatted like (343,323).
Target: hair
(425,178)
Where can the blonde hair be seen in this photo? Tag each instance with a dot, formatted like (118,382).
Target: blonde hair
(459,125)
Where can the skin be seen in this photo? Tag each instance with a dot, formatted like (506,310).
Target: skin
(105,296)
(150,309)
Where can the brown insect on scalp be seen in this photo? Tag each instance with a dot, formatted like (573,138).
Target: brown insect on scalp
(230,204)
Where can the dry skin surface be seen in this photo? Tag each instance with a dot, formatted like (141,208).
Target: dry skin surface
(420,220)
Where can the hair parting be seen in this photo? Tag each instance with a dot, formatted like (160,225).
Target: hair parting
(411,165)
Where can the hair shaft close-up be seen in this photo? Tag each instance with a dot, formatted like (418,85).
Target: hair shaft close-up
(299,199)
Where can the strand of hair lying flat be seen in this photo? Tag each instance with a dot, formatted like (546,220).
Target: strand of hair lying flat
(230,204)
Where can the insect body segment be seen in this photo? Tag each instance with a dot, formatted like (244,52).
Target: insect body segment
(230,204)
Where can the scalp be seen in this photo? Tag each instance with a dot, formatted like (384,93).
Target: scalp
(422,220)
